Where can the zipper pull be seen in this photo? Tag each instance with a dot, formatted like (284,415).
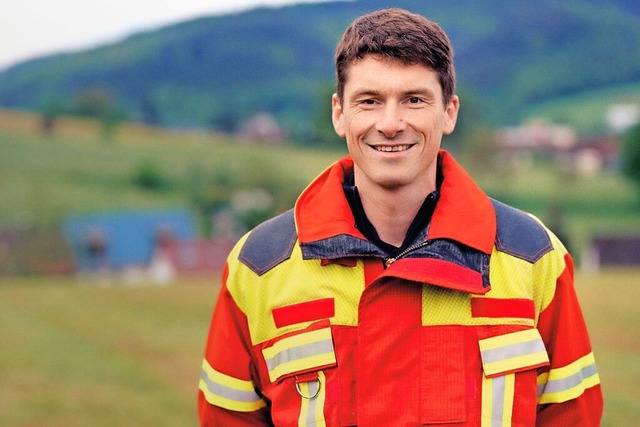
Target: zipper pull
(391,260)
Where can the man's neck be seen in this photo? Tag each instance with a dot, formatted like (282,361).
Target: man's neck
(392,211)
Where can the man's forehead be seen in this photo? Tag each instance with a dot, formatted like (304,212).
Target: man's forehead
(378,73)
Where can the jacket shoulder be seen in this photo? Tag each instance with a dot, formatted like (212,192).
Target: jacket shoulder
(270,243)
(519,234)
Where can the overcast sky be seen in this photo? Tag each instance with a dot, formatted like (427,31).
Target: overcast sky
(30,28)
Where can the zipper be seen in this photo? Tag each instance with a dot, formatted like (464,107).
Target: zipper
(391,260)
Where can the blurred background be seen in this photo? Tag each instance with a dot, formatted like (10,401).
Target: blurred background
(138,142)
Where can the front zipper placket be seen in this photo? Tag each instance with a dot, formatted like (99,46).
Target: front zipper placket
(391,260)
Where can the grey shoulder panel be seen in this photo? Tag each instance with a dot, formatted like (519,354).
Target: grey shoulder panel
(519,234)
(270,243)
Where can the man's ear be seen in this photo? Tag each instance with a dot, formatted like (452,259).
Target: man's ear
(451,115)
(337,116)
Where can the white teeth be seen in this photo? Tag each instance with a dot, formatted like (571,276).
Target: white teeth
(390,148)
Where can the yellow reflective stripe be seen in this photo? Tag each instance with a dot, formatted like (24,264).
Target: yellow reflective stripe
(228,392)
(312,410)
(299,353)
(487,402)
(568,382)
(507,339)
(497,401)
(513,352)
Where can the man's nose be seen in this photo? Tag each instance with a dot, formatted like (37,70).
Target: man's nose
(391,121)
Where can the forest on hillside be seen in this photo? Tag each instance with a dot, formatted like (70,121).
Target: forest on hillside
(215,72)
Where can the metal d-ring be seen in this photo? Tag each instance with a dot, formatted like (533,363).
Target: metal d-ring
(306,396)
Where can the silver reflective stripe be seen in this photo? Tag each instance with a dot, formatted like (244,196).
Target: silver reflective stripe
(300,352)
(497,391)
(313,403)
(498,395)
(228,392)
(512,350)
(564,384)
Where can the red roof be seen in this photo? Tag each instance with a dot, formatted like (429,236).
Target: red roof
(197,256)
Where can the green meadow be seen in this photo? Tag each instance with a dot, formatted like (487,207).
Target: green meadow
(76,352)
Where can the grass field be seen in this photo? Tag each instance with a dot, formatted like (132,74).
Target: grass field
(80,354)
(87,355)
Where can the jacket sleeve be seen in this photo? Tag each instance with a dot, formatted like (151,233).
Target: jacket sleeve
(569,392)
(227,394)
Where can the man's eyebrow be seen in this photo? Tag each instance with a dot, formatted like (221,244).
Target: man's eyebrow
(421,91)
(365,92)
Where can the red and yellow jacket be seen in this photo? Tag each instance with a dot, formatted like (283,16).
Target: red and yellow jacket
(477,324)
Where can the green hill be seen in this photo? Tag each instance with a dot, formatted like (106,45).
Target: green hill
(216,71)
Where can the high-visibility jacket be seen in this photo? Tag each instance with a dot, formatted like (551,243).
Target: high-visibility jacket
(476,324)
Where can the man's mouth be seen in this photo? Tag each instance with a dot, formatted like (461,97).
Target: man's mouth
(391,148)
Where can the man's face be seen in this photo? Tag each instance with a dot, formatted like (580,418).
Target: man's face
(393,119)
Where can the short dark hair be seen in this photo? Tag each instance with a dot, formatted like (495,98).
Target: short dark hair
(400,35)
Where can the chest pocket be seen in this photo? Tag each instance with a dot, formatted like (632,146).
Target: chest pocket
(506,359)
(308,351)
(443,390)
(296,364)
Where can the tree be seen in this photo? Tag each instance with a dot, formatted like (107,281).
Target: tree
(631,155)
(149,111)
(49,113)
(99,103)
(324,134)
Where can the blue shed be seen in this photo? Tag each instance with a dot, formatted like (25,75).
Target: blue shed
(118,239)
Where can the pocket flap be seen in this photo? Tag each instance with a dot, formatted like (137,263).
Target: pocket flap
(299,353)
(513,352)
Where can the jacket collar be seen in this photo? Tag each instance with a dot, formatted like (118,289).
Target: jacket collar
(322,210)
(463,213)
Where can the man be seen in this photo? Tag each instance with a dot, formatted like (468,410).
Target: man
(396,293)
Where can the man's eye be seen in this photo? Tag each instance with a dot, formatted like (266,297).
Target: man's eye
(415,100)
(368,101)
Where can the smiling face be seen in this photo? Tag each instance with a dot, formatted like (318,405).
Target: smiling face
(393,118)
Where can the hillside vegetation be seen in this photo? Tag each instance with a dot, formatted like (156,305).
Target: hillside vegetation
(216,71)
(44,177)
